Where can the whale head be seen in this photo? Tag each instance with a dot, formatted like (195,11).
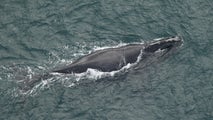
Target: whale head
(163,44)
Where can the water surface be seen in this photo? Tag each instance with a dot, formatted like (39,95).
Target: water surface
(36,36)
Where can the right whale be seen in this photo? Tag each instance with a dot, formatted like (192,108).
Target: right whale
(113,59)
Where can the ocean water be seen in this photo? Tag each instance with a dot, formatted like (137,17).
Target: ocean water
(37,36)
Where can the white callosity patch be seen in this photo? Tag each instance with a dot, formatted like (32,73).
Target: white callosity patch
(160,51)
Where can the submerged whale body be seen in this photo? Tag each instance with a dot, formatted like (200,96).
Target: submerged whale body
(113,59)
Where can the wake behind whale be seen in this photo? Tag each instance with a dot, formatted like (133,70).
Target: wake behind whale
(114,59)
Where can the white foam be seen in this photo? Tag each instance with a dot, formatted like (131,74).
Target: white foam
(106,47)
(116,46)
(66,47)
(156,39)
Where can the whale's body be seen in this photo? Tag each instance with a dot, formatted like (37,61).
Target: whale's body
(113,59)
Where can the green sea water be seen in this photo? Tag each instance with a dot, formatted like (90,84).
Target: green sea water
(39,35)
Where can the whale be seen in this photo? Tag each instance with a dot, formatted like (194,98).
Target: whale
(113,59)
